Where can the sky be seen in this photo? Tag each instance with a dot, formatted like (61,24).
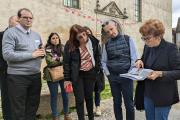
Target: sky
(176,12)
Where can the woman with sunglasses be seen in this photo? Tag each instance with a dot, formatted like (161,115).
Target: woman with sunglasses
(54,58)
(158,92)
(81,64)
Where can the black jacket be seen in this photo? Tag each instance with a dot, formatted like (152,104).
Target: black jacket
(164,91)
(3,63)
(72,61)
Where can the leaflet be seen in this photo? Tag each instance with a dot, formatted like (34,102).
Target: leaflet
(137,74)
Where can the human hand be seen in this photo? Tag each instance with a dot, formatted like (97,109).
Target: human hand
(38,53)
(66,83)
(139,64)
(154,75)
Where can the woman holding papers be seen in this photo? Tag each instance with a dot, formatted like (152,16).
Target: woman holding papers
(158,92)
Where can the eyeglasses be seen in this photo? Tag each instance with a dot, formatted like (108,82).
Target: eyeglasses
(145,38)
(26,18)
(79,37)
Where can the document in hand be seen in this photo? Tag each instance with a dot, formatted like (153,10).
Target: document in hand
(137,74)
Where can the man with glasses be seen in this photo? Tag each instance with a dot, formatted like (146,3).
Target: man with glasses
(20,50)
(13,21)
(119,55)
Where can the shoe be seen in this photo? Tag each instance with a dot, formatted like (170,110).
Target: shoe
(67,117)
(98,111)
(56,118)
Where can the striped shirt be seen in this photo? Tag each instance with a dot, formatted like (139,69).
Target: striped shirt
(86,60)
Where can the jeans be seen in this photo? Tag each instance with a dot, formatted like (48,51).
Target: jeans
(155,113)
(6,111)
(119,87)
(53,87)
(24,95)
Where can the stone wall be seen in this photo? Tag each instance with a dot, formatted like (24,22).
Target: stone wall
(50,16)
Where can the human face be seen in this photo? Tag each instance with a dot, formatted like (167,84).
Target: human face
(26,19)
(151,41)
(13,21)
(111,29)
(82,37)
(55,40)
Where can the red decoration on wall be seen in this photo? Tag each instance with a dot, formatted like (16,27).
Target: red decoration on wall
(85,16)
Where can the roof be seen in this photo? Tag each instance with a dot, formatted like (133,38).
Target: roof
(178,26)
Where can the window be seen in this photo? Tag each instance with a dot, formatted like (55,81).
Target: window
(138,10)
(72,3)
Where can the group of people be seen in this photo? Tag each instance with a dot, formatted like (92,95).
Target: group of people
(84,61)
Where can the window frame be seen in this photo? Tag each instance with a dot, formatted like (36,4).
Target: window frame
(138,10)
(71,4)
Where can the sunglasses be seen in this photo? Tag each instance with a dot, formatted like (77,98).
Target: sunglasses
(105,23)
(79,37)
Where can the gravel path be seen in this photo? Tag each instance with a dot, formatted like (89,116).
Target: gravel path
(107,112)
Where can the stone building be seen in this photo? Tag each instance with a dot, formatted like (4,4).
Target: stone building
(177,35)
(60,15)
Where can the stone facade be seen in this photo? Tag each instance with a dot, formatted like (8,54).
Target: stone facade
(53,16)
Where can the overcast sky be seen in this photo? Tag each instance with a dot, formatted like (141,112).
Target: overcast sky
(176,12)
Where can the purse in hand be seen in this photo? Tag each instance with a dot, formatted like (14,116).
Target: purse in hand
(69,88)
(56,73)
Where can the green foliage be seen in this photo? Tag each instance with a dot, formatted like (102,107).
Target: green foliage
(106,93)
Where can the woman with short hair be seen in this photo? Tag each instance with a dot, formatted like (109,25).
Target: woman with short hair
(159,91)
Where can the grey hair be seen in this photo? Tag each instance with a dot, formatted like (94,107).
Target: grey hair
(104,35)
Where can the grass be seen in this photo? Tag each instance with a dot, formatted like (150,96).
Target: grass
(106,93)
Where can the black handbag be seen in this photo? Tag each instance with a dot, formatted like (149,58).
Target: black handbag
(100,81)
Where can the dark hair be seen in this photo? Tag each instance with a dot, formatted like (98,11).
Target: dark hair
(87,28)
(57,48)
(20,10)
(73,42)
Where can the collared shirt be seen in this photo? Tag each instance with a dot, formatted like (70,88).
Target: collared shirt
(22,29)
(133,55)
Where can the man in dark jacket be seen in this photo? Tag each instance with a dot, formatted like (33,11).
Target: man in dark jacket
(119,55)
(13,21)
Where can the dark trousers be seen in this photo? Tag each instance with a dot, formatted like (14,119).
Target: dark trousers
(97,98)
(4,96)
(24,95)
(83,89)
(122,87)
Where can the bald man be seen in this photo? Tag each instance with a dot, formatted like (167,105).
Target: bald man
(13,21)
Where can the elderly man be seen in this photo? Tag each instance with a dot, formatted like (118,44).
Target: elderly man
(119,55)
(22,53)
(13,21)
